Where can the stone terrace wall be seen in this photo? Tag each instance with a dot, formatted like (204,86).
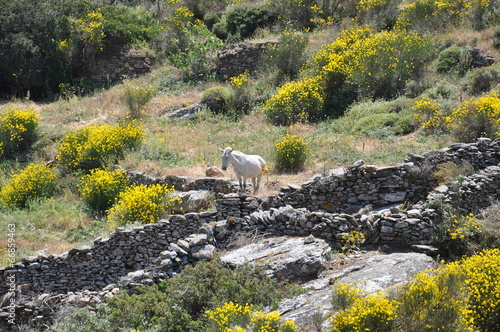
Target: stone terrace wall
(112,68)
(234,60)
(358,186)
(298,211)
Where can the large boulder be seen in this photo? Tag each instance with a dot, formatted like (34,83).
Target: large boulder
(372,271)
(291,258)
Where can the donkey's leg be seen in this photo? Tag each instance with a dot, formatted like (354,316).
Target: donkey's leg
(240,182)
(255,185)
(245,184)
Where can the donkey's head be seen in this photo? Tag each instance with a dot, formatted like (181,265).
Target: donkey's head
(226,153)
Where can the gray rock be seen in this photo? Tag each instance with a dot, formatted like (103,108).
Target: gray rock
(371,272)
(284,257)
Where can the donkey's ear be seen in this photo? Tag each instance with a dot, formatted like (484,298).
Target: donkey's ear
(221,150)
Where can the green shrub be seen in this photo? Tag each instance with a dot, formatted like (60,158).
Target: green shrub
(18,130)
(363,63)
(361,311)
(179,303)
(144,203)
(288,55)
(136,96)
(218,99)
(83,320)
(385,124)
(448,59)
(297,14)
(100,189)
(483,80)
(241,21)
(132,23)
(291,153)
(244,94)
(35,181)
(98,145)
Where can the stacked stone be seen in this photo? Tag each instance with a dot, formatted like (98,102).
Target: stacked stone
(473,193)
(388,226)
(126,63)
(234,60)
(217,185)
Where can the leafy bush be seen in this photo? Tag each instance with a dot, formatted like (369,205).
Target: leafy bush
(136,96)
(483,80)
(241,21)
(132,23)
(244,94)
(100,189)
(297,14)
(344,296)
(230,317)
(97,145)
(430,15)
(188,41)
(288,55)
(179,303)
(381,125)
(296,101)
(144,203)
(34,181)
(82,320)
(18,130)
(448,59)
(381,14)
(460,296)
(218,99)
(291,153)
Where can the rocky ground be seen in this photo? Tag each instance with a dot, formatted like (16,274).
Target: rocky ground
(317,266)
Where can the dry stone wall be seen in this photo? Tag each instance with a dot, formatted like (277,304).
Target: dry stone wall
(319,207)
(234,60)
(113,68)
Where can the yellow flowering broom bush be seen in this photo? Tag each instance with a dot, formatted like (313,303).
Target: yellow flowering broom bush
(18,130)
(97,145)
(101,188)
(431,15)
(34,181)
(231,317)
(462,296)
(296,101)
(143,203)
(291,153)
(476,118)
(429,114)
(359,63)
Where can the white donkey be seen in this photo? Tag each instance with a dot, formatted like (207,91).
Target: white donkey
(245,166)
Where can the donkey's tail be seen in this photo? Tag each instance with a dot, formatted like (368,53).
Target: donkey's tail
(264,167)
